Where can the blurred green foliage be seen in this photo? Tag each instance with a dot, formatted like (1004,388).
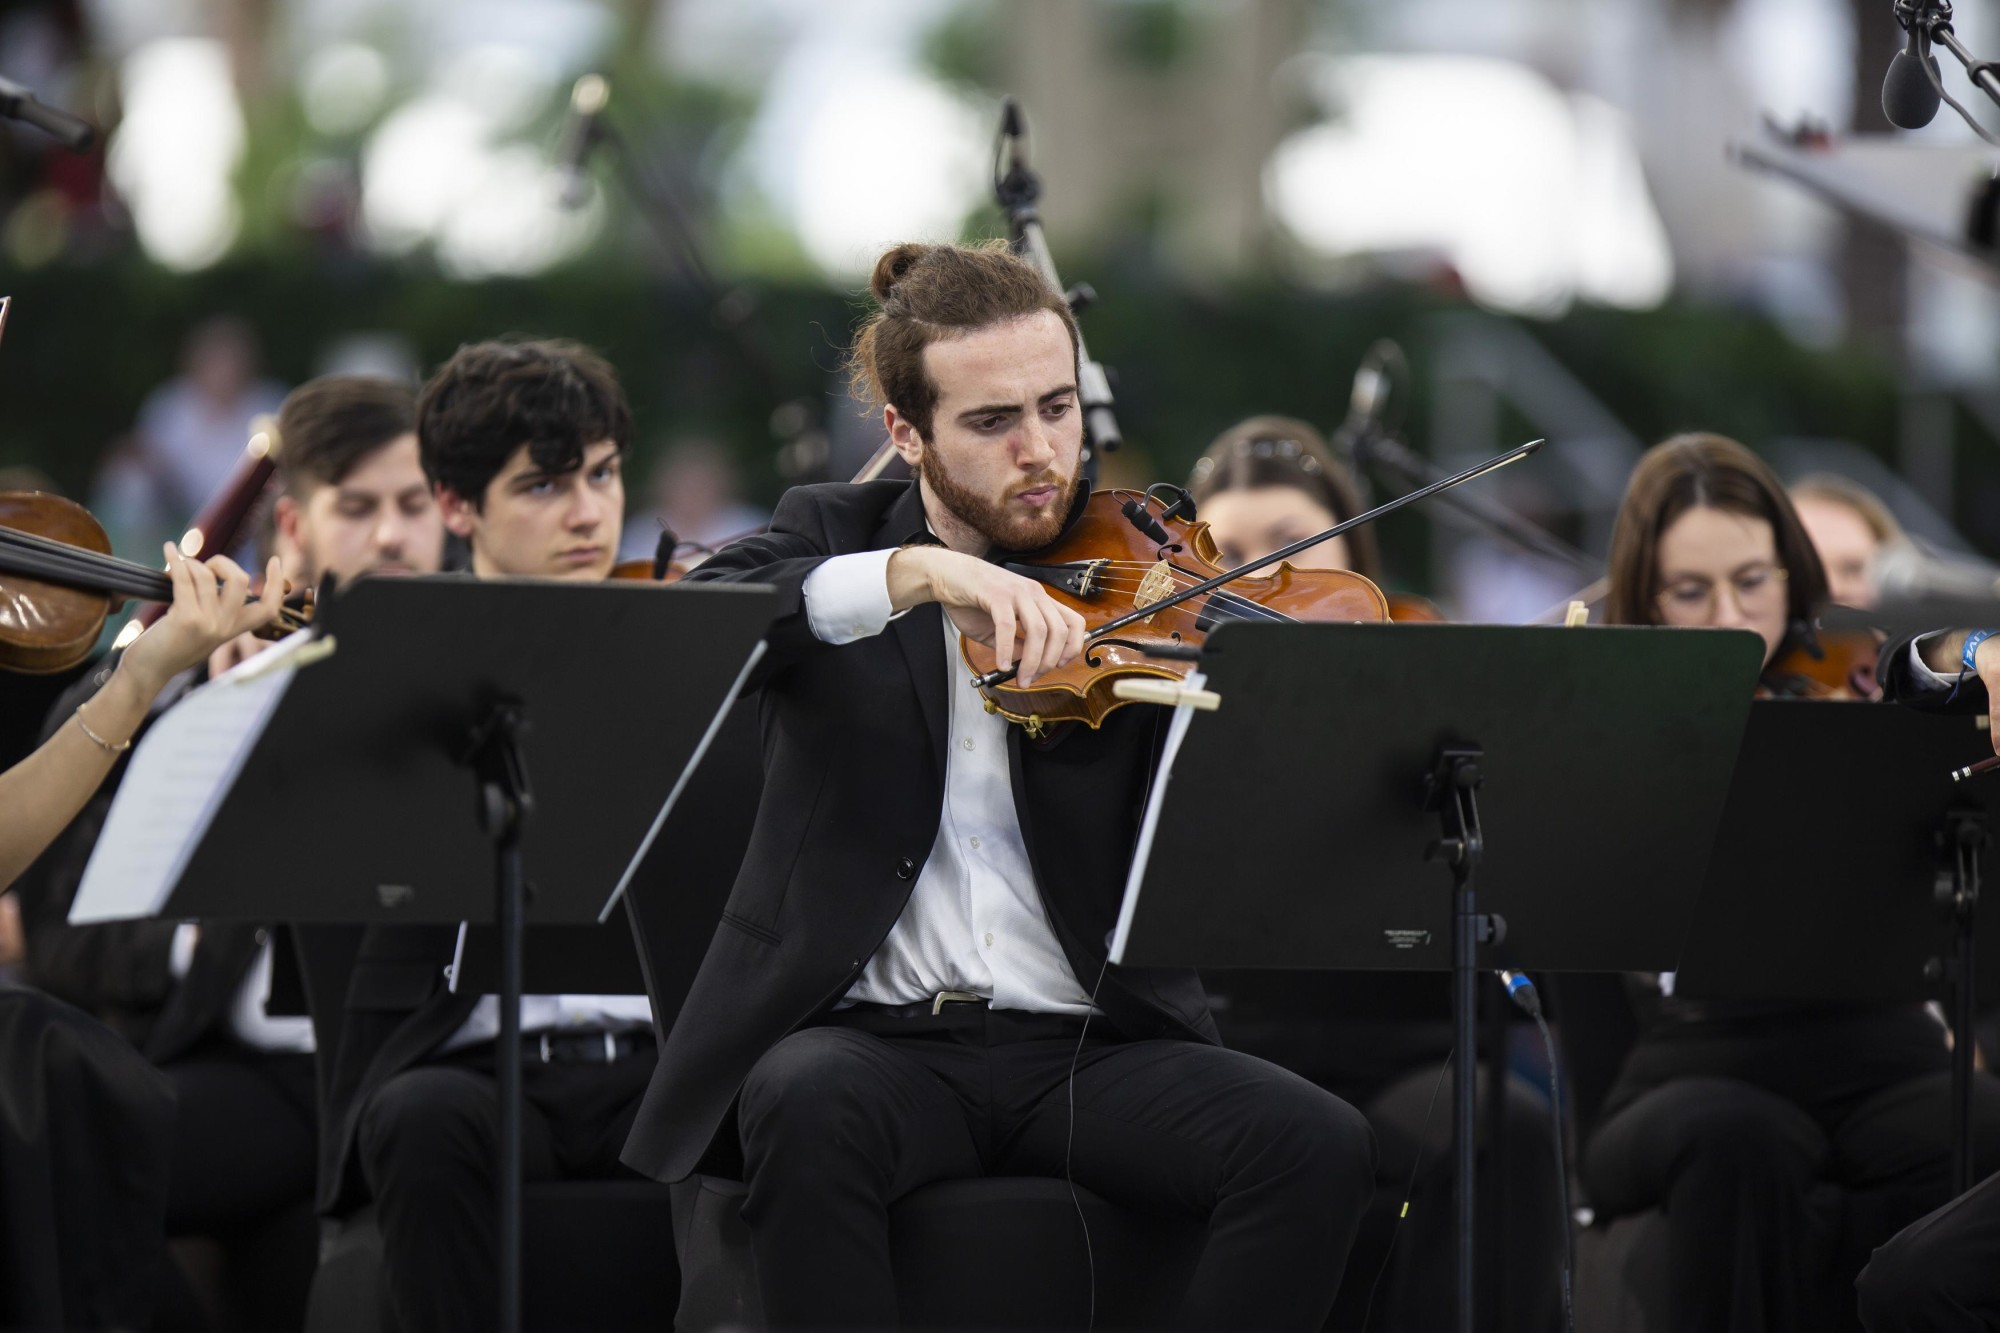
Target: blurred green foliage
(86,344)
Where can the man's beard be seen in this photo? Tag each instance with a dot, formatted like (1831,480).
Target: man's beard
(1010,531)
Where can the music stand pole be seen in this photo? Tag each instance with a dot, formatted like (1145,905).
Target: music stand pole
(1451,791)
(505,802)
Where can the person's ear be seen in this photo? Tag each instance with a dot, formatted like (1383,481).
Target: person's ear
(903,434)
(461,516)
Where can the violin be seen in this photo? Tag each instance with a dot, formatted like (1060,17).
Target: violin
(1105,567)
(1832,665)
(1150,588)
(59,582)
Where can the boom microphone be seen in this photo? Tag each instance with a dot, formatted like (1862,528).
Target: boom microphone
(581,133)
(1909,95)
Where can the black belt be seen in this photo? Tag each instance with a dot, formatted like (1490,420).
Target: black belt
(588,1046)
(930,1008)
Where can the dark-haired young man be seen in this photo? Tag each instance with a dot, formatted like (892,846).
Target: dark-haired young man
(353,501)
(523,442)
(910,982)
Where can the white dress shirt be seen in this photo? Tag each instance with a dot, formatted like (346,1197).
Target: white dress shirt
(250,1021)
(975,921)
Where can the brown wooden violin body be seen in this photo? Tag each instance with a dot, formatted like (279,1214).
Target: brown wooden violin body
(1105,567)
(48,627)
(1843,669)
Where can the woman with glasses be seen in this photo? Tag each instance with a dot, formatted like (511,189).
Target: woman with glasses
(1379,1040)
(1783,1140)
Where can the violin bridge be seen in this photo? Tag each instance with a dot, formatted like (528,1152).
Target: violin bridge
(1157,585)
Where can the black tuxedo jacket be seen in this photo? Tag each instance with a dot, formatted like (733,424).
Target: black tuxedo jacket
(1901,684)
(854,741)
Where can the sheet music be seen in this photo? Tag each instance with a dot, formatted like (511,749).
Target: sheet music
(179,774)
(1176,733)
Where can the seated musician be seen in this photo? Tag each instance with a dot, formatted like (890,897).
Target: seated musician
(523,442)
(910,983)
(1851,528)
(352,501)
(1729,1115)
(84,1137)
(1941,1274)
(1378,1040)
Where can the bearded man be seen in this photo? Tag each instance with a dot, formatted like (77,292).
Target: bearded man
(910,983)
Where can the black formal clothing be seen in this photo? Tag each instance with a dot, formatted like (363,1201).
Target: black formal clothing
(1784,1143)
(854,758)
(843,1111)
(1940,1274)
(85,1124)
(426,1141)
(1379,1041)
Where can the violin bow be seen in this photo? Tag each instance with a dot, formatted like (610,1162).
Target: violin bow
(1209,585)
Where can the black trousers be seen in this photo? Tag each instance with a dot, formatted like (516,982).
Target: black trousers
(1773,1206)
(84,1127)
(1940,1274)
(244,1155)
(428,1138)
(841,1120)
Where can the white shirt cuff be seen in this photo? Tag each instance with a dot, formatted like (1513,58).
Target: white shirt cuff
(847,597)
(180,954)
(1920,670)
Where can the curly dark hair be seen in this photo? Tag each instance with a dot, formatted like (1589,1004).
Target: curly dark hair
(554,396)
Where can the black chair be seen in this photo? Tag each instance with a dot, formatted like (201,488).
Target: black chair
(995,1252)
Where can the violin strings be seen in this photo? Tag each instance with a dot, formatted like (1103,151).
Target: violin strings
(68,564)
(1242,607)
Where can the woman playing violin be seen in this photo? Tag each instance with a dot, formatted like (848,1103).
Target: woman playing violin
(43,792)
(1270,480)
(1735,1117)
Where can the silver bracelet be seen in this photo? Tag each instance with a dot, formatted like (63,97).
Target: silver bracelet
(101,743)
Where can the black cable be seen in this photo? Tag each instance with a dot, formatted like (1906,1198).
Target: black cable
(1416,1164)
(1069,1148)
(1522,992)
(1930,72)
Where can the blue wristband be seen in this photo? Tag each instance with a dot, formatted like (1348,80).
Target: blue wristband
(1972,642)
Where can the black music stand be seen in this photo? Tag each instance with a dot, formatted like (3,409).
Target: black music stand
(357,782)
(1576,774)
(1872,890)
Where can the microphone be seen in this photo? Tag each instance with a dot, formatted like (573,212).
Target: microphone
(1522,992)
(18,103)
(1905,573)
(1909,97)
(582,131)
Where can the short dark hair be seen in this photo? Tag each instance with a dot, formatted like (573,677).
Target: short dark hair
(927,293)
(1284,451)
(554,396)
(328,426)
(1701,470)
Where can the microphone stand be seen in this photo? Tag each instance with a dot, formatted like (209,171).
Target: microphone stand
(1933,17)
(795,421)
(1018,190)
(1368,442)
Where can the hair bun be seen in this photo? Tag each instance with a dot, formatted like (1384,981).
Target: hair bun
(891,267)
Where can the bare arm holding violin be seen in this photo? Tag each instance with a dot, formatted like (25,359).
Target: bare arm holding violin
(43,792)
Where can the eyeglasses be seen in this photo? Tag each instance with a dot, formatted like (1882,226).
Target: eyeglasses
(1756,588)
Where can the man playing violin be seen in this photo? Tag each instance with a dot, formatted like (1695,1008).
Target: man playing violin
(352,502)
(910,982)
(523,443)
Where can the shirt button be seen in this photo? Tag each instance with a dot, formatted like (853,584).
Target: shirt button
(968,743)
(975,844)
(905,868)
(989,937)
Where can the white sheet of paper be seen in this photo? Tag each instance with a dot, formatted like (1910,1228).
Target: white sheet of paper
(1176,733)
(179,774)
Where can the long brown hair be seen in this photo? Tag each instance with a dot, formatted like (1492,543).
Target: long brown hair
(925,293)
(1284,451)
(1700,470)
